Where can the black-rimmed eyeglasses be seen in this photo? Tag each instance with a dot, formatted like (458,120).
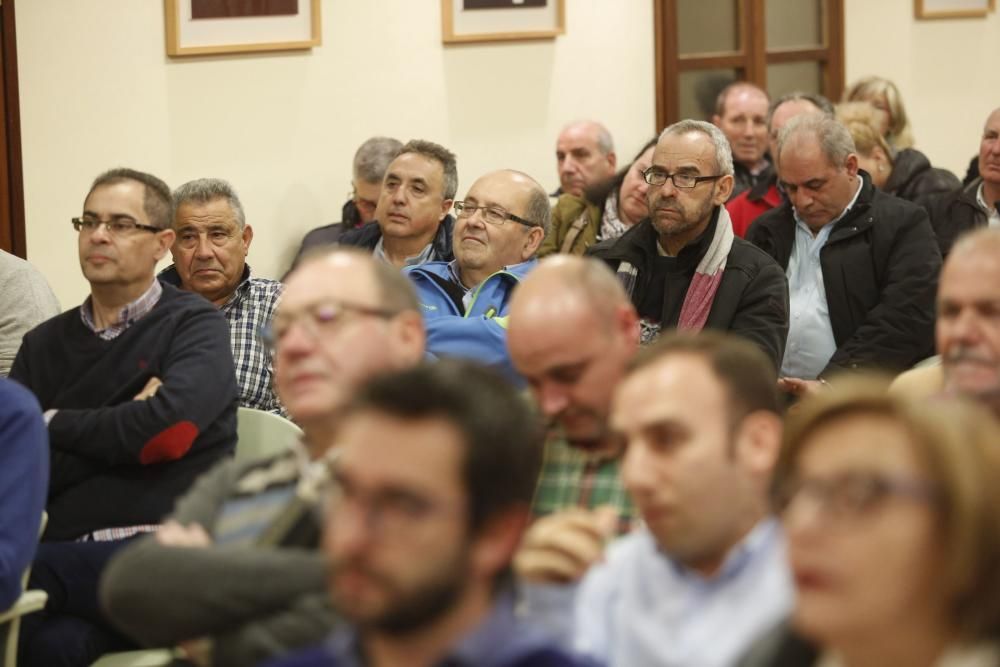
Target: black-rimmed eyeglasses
(120,226)
(492,214)
(657,177)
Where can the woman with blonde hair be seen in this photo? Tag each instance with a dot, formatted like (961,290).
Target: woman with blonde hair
(907,174)
(882,94)
(891,509)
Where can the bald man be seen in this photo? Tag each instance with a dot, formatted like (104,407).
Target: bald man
(585,155)
(500,224)
(572,332)
(741,114)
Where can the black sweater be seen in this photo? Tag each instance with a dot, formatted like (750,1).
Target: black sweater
(117,461)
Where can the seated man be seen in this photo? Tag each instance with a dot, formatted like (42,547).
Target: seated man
(431,492)
(978,203)
(862,265)
(585,155)
(683,267)
(370,162)
(210,254)
(706,574)
(741,114)
(412,212)
(764,194)
(24,466)
(500,225)
(572,332)
(140,396)
(26,300)
(237,563)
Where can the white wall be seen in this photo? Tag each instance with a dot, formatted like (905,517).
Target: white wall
(948,71)
(97,91)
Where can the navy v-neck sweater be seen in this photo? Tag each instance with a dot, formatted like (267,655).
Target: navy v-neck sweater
(118,461)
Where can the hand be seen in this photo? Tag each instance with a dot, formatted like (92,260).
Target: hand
(173,534)
(561,547)
(800,388)
(149,390)
(198,651)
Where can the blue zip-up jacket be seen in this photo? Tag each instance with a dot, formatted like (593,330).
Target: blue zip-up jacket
(481,333)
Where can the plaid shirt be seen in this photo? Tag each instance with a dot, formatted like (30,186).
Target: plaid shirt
(126,316)
(249,308)
(572,477)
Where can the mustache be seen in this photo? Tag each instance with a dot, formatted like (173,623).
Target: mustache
(664,203)
(964,354)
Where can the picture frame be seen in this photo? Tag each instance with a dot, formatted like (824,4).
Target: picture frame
(471,21)
(952,9)
(259,30)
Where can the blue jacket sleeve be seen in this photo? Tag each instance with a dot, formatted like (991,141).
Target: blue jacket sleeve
(24,474)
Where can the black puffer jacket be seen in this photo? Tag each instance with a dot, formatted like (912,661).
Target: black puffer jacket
(880,270)
(957,213)
(367,237)
(914,179)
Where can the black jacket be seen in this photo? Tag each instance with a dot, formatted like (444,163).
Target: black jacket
(368,235)
(957,213)
(752,299)
(880,270)
(914,179)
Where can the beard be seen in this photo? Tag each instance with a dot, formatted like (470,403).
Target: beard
(409,610)
(688,218)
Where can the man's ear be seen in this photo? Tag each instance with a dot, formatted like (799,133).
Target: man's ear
(723,190)
(247,238)
(612,160)
(409,339)
(758,441)
(851,164)
(164,240)
(445,208)
(497,540)
(534,239)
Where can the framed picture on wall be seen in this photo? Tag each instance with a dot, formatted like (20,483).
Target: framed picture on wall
(209,27)
(465,21)
(952,9)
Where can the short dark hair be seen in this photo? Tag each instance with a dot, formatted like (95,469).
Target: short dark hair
(437,152)
(156,200)
(501,437)
(746,372)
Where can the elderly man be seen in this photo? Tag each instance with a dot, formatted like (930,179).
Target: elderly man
(370,162)
(978,203)
(706,573)
(862,266)
(210,251)
(501,223)
(412,212)
(585,156)
(26,300)
(764,195)
(236,564)
(572,332)
(683,267)
(741,113)
(140,396)
(431,495)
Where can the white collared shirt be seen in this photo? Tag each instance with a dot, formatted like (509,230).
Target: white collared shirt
(992,215)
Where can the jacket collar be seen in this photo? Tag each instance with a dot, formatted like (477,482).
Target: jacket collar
(638,245)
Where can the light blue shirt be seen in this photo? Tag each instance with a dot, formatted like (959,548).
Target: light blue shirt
(810,342)
(639,607)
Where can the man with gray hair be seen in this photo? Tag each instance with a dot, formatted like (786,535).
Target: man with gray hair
(209,253)
(764,194)
(862,266)
(585,156)
(683,267)
(501,223)
(412,212)
(370,162)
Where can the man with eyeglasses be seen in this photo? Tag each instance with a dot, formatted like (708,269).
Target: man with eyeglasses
(501,223)
(706,574)
(431,492)
(862,265)
(237,575)
(370,163)
(209,255)
(683,267)
(413,226)
(140,399)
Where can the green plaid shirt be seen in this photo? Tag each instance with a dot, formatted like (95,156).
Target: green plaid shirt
(572,477)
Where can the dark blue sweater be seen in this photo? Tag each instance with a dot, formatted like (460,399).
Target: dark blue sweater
(117,461)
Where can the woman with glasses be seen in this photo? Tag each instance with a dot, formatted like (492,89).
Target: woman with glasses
(892,514)
(606,210)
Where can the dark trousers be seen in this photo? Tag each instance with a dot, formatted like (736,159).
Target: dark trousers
(71,631)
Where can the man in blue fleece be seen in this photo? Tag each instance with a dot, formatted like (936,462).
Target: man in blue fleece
(501,222)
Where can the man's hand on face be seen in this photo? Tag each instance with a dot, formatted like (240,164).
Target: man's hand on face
(561,547)
(149,390)
(173,534)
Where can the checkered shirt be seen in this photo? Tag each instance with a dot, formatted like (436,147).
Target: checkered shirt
(572,477)
(126,316)
(249,308)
